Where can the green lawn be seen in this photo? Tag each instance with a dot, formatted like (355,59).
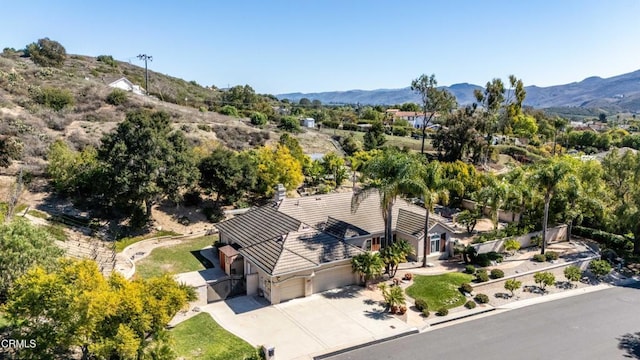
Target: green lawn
(439,290)
(124,242)
(174,259)
(202,338)
(38,214)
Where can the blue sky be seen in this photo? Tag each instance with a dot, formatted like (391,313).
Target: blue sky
(308,46)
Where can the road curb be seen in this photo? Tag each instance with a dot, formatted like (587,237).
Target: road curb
(369,343)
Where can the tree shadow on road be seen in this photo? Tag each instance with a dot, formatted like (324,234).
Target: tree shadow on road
(631,344)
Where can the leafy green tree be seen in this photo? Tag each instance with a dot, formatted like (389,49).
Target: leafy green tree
(460,136)
(375,138)
(494,195)
(468,219)
(622,175)
(240,97)
(410,106)
(434,101)
(290,124)
(546,178)
(390,173)
(334,165)
(544,279)
(258,118)
(368,265)
(10,149)
(226,173)
(145,160)
(512,285)
(47,52)
(394,255)
(229,110)
(23,246)
(350,145)
(296,150)
(572,273)
(76,306)
(393,295)
(434,188)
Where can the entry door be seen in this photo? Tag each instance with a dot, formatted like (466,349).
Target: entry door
(375,244)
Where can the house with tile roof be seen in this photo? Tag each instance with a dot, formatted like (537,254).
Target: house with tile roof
(295,247)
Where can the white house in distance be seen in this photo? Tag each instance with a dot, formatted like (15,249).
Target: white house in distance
(124,84)
(414,118)
(308,122)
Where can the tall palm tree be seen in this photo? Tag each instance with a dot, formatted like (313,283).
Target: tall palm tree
(391,173)
(494,194)
(434,189)
(546,178)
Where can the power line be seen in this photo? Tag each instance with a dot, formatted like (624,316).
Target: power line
(146,58)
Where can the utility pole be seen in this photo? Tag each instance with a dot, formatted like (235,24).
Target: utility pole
(146,58)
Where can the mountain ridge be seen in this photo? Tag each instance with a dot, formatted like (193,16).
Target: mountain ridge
(617,93)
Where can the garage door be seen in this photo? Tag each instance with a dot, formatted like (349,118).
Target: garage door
(333,278)
(292,289)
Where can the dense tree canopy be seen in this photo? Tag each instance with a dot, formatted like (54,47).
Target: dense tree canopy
(23,245)
(47,52)
(76,307)
(145,160)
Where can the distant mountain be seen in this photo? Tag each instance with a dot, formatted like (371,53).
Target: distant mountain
(618,93)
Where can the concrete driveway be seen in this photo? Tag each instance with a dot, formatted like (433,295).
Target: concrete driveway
(305,327)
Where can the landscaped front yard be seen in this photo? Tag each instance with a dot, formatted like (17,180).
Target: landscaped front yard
(439,290)
(176,259)
(202,338)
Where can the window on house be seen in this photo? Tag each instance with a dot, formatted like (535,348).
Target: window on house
(367,245)
(435,243)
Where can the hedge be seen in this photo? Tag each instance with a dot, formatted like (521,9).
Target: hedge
(618,243)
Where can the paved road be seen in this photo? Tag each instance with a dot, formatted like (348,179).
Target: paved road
(588,326)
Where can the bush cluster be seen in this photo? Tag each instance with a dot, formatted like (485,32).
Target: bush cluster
(54,98)
(442,312)
(539,258)
(481,299)
(551,255)
(510,230)
(331,124)
(481,275)
(213,213)
(618,243)
(470,304)
(497,274)
(421,305)
(466,288)
(350,126)
(46,52)
(107,59)
(117,97)
(470,269)
(258,118)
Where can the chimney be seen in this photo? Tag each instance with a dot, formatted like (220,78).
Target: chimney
(280,194)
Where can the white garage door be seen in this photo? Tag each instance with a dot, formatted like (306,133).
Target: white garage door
(292,289)
(333,278)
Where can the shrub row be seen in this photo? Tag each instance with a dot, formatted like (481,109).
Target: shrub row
(547,256)
(618,243)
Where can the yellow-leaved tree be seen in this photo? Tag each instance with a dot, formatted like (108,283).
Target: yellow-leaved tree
(75,308)
(277,166)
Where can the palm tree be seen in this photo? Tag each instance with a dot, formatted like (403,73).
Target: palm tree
(368,265)
(391,173)
(434,190)
(546,178)
(395,254)
(494,194)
